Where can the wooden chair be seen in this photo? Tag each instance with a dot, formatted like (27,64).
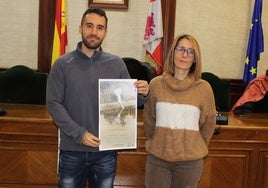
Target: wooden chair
(20,84)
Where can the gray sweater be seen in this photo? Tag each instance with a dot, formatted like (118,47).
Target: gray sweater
(72,94)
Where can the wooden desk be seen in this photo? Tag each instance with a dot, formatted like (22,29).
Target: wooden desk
(28,150)
(238,155)
(28,147)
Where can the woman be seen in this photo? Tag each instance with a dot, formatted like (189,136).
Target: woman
(179,119)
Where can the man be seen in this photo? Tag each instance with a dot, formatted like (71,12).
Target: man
(72,100)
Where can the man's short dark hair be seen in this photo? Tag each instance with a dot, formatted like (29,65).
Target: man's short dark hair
(98,11)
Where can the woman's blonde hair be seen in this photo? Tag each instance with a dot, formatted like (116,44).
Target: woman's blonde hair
(195,69)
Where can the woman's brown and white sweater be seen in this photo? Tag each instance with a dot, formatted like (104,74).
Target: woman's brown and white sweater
(179,118)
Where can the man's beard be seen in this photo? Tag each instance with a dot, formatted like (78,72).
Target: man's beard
(89,46)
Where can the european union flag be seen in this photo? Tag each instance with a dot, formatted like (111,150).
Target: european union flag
(255,43)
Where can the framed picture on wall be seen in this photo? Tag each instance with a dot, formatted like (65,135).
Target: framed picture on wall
(110,4)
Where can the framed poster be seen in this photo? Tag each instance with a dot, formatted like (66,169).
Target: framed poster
(111,4)
(117,114)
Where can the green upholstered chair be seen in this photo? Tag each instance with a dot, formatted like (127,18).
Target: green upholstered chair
(221,90)
(20,84)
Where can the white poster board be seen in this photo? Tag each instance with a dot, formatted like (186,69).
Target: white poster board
(117,114)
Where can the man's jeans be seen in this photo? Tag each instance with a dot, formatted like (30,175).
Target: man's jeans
(97,167)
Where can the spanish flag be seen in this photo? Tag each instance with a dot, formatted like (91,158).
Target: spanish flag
(60,31)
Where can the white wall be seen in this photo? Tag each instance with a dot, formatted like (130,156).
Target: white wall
(19,32)
(125,28)
(221,27)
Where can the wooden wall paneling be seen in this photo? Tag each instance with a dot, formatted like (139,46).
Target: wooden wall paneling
(41,167)
(251,142)
(45,34)
(237,87)
(238,155)
(169,15)
(28,149)
(13,165)
(262,175)
(130,169)
(222,165)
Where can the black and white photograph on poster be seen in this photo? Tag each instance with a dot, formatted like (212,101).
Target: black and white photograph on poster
(117,114)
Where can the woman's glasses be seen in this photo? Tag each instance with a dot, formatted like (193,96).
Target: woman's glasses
(181,50)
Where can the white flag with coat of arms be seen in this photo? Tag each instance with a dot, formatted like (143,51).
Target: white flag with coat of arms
(153,35)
